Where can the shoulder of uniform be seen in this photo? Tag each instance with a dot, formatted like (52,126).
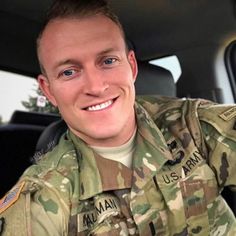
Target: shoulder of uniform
(154,103)
(224,112)
(156,106)
(148,99)
(221,116)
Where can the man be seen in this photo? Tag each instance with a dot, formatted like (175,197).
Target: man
(153,166)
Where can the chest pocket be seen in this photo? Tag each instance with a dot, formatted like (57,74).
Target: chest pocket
(149,211)
(189,188)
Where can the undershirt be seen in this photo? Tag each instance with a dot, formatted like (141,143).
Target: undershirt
(121,153)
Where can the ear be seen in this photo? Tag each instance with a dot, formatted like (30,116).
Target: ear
(45,87)
(133,63)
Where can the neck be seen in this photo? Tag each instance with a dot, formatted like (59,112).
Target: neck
(115,140)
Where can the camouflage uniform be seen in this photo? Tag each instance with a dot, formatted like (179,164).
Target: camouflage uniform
(185,154)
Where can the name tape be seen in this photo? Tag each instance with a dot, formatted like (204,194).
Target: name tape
(103,207)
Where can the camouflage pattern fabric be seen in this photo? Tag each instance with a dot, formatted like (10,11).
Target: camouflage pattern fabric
(185,154)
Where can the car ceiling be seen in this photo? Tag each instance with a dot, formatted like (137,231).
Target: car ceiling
(156,28)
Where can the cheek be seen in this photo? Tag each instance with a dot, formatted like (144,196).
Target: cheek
(65,93)
(129,83)
(123,77)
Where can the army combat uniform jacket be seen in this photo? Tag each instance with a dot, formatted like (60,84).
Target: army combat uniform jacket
(185,154)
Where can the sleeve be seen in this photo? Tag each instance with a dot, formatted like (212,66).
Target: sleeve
(49,214)
(218,123)
(39,212)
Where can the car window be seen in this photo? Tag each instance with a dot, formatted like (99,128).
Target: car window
(170,63)
(14,89)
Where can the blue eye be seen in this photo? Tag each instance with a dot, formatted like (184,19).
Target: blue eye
(109,61)
(68,72)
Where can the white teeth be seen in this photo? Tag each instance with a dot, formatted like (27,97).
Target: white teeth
(100,106)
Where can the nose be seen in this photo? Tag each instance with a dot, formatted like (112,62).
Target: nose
(95,82)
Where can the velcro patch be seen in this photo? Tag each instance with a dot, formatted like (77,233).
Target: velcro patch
(229,114)
(11,197)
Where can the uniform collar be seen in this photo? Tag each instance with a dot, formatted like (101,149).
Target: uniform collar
(98,174)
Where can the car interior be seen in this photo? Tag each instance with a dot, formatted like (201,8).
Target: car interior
(200,34)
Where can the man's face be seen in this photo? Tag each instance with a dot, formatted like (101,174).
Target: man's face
(90,77)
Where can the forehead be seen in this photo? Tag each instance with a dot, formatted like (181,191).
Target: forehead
(83,30)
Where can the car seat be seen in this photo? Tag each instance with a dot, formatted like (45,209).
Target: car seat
(18,140)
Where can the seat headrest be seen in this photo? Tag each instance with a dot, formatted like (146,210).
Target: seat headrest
(154,80)
(33,118)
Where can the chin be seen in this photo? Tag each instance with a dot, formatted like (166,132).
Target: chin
(104,135)
(100,133)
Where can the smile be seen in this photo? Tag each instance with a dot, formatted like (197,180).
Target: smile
(101,106)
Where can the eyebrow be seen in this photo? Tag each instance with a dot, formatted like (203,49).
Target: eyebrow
(107,51)
(67,61)
(77,62)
